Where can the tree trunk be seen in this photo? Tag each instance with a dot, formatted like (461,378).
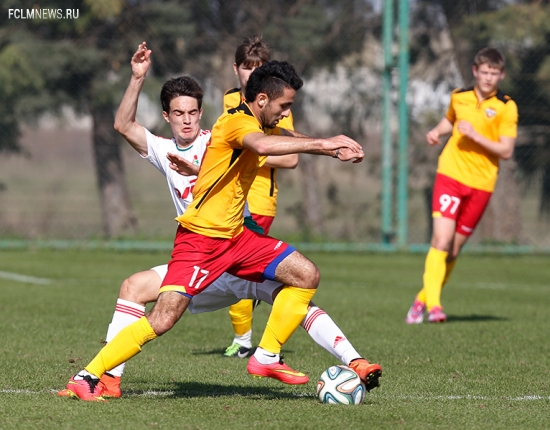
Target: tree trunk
(118,216)
(501,222)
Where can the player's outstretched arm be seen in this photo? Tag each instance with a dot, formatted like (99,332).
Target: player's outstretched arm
(443,128)
(289,161)
(125,119)
(342,147)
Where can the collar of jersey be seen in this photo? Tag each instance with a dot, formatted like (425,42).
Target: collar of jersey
(183,149)
(490,96)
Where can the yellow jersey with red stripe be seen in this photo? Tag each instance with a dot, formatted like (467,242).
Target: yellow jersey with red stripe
(226,175)
(464,160)
(262,198)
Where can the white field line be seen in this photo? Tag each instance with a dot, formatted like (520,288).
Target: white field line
(152,393)
(22,278)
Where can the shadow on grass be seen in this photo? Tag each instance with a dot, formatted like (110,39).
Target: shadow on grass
(474,318)
(198,389)
(221,351)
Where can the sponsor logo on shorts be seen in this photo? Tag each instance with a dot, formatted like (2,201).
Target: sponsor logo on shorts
(490,112)
(467,229)
(278,245)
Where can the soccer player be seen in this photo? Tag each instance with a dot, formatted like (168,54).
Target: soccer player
(262,197)
(483,125)
(197,256)
(142,287)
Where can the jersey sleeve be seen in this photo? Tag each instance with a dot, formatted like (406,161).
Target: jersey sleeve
(156,153)
(238,127)
(509,124)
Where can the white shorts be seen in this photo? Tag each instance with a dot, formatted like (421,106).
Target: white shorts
(226,291)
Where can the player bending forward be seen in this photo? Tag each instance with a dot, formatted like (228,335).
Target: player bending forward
(181,100)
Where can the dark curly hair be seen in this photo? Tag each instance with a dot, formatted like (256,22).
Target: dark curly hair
(272,78)
(182,86)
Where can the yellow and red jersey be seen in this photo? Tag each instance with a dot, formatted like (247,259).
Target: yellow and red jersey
(464,160)
(226,175)
(262,198)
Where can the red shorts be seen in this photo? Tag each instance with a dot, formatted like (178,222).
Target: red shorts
(199,260)
(456,201)
(263,221)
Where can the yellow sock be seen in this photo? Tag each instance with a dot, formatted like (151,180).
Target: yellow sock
(241,316)
(124,346)
(289,309)
(449,266)
(421,296)
(434,273)
(448,269)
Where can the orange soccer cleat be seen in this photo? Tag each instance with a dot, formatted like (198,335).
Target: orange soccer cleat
(369,373)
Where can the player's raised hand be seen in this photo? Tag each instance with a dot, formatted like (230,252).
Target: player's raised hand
(433,137)
(181,165)
(141,61)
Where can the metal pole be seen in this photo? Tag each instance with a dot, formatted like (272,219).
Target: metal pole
(403,168)
(387,159)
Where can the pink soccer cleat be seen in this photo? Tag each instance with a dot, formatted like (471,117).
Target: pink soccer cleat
(436,315)
(416,313)
(87,389)
(278,371)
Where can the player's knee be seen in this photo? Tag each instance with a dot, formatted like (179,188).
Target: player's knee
(440,243)
(311,277)
(131,290)
(126,290)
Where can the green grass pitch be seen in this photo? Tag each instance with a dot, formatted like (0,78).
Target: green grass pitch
(488,367)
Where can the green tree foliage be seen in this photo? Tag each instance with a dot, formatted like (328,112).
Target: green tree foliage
(54,63)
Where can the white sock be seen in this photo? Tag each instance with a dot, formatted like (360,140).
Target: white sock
(244,340)
(265,357)
(328,335)
(126,313)
(82,374)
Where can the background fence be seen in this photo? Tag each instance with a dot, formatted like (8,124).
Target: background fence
(62,165)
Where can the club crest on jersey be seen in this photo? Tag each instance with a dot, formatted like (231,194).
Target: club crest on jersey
(490,112)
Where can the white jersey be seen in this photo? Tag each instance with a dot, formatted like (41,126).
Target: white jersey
(180,186)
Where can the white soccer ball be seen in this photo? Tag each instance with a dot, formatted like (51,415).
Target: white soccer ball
(340,385)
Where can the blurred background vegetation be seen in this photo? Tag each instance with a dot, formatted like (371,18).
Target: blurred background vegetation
(66,174)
